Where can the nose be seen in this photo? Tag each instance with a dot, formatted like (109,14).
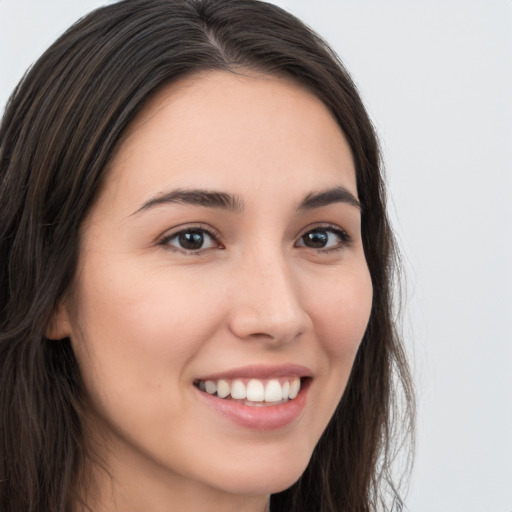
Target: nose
(267,302)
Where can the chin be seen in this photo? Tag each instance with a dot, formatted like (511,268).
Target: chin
(270,478)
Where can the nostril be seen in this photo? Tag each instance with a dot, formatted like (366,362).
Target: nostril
(261,335)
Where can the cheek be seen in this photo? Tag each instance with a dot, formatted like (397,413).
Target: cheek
(341,313)
(134,337)
(142,324)
(340,309)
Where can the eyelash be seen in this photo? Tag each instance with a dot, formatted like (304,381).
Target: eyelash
(344,237)
(165,241)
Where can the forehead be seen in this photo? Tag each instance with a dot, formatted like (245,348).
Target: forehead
(237,130)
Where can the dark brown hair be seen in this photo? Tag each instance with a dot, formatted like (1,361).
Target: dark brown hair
(61,127)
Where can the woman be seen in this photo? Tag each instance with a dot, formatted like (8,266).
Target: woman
(195,279)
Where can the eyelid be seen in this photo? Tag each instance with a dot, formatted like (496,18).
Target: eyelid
(346,239)
(164,239)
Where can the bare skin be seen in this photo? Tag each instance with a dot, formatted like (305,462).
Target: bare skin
(172,289)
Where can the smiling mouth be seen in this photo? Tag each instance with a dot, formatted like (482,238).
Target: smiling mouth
(253,392)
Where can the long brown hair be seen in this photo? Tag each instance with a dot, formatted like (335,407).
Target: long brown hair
(60,129)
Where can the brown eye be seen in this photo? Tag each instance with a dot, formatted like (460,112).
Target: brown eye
(324,238)
(193,240)
(316,239)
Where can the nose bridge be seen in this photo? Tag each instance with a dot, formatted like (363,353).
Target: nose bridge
(267,300)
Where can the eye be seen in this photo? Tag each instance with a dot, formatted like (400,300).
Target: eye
(191,240)
(324,238)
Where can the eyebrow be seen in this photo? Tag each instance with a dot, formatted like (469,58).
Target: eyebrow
(329,196)
(224,201)
(196,197)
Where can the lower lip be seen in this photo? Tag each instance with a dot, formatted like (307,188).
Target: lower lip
(262,418)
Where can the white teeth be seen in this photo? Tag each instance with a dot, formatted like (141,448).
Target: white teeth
(273,391)
(238,390)
(210,387)
(223,389)
(286,390)
(294,388)
(255,391)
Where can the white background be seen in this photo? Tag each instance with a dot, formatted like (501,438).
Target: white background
(436,77)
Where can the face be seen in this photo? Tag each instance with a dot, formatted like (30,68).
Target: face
(220,269)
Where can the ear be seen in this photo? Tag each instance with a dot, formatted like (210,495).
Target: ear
(59,326)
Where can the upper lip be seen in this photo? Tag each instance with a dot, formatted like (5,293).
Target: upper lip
(261,372)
